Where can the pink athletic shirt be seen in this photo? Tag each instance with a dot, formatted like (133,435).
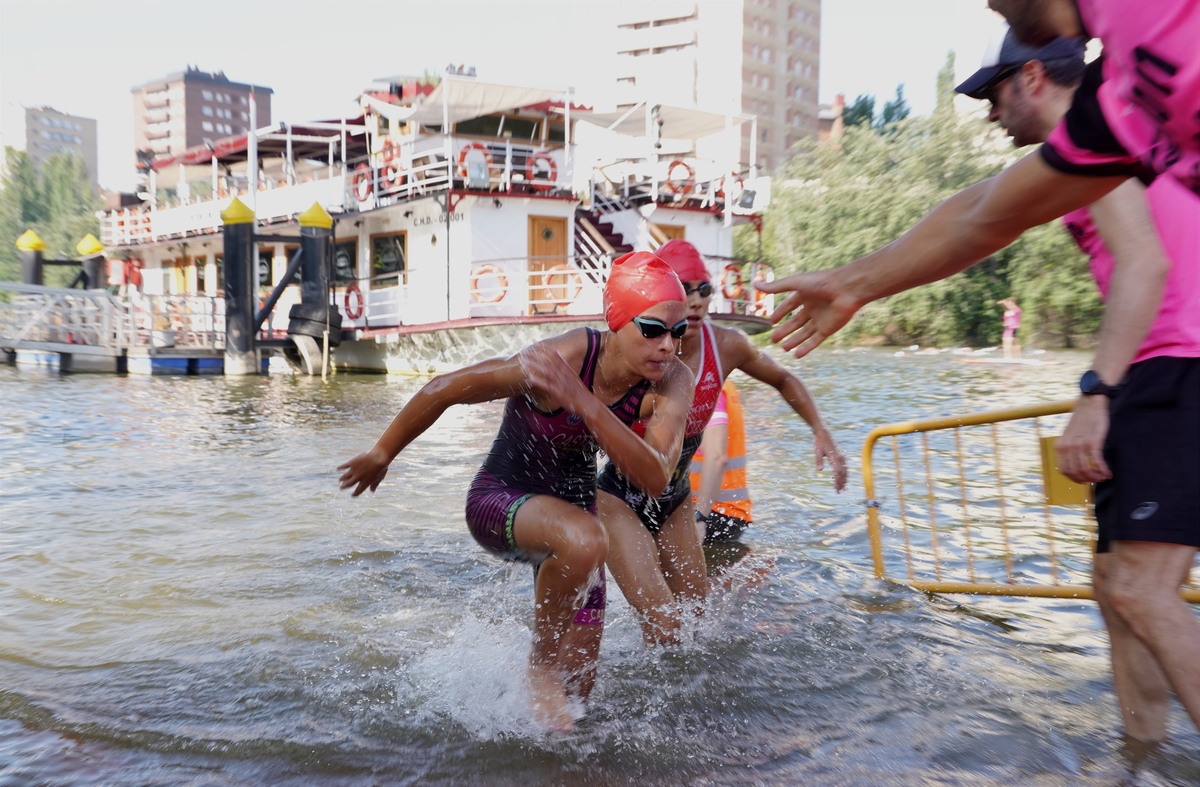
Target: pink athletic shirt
(1176,330)
(1149,97)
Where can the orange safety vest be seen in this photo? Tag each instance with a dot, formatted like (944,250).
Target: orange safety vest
(734,497)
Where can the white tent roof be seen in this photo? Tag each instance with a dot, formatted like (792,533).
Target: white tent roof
(471,98)
(678,122)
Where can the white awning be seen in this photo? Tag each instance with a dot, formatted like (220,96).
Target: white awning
(392,112)
(678,122)
(471,98)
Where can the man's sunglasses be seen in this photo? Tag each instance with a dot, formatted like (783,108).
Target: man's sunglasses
(652,329)
(705,289)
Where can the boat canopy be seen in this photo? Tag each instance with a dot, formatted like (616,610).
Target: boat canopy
(677,122)
(456,100)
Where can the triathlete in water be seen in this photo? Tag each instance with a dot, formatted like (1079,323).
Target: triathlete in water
(534,499)
(654,552)
(1147,465)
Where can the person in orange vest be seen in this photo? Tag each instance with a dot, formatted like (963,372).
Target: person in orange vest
(720,493)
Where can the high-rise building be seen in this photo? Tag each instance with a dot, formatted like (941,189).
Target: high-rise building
(757,57)
(186,108)
(48,131)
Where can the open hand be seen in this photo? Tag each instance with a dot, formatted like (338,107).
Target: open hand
(1080,450)
(825,448)
(816,308)
(364,472)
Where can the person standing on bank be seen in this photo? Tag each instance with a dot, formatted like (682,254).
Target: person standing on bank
(654,553)
(1152,450)
(1012,323)
(534,499)
(718,475)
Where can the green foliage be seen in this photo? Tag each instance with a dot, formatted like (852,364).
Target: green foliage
(893,111)
(58,205)
(861,112)
(844,199)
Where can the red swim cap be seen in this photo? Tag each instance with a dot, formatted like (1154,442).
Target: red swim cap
(683,259)
(636,282)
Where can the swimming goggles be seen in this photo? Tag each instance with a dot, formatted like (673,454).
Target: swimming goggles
(705,289)
(652,328)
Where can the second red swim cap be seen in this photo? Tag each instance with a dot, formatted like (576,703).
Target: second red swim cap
(683,259)
(636,282)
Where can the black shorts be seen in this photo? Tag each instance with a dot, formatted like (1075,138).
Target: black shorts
(719,527)
(1153,450)
(652,511)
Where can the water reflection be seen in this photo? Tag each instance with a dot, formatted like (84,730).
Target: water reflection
(188,599)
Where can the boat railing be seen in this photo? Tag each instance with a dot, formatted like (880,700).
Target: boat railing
(34,315)
(703,182)
(199,216)
(69,320)
(430,163)
(538,286)
(975,504)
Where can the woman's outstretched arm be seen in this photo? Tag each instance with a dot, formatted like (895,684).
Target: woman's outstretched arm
(481,382)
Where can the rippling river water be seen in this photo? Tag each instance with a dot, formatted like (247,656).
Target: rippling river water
(187,598)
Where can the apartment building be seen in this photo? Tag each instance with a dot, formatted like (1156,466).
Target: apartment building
(758,57)
(184,109)
(48,131)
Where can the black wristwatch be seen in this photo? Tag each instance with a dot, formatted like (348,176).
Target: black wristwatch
(1091,385)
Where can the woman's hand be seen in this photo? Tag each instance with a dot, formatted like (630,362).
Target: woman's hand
(550,374)
(825,448)
(364,471)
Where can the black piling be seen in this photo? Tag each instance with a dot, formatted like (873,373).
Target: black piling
(241,355)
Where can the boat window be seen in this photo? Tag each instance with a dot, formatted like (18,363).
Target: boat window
(522,128)
(345,267)
(556,131)
(387,259)
(488,126)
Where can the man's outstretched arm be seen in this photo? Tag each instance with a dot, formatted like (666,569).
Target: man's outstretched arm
(966,228)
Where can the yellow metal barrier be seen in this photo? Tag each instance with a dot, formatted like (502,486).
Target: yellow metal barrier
(1013,535)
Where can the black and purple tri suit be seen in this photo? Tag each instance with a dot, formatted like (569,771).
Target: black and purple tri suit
(540,453)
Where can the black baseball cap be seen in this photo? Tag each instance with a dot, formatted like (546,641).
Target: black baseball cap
(1001,61)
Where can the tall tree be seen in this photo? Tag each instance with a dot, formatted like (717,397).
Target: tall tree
(58,204)
(841,200)
(861,112)
(945,86)
(893,111)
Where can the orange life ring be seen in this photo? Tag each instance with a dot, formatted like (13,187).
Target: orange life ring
(571,278)
(531,171)
(501,281)
(355,311)
(731,283)
(362,182)
(680,186)
(462,157)
(393,174)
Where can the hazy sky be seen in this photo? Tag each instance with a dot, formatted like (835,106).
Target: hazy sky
(83,56)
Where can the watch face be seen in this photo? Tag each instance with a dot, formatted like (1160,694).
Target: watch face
(1089,382)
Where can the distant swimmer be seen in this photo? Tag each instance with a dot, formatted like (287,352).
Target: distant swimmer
(1012,323)
(534,498)
(1147,465)
(654,552)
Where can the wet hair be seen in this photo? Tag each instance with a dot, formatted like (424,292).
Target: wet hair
(1064,71)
